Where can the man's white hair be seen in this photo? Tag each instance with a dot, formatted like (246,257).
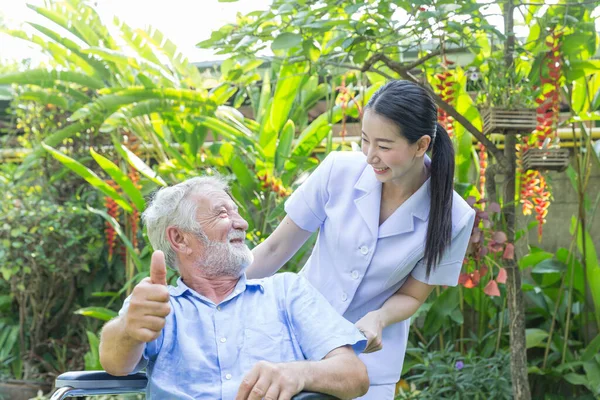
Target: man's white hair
(173,206)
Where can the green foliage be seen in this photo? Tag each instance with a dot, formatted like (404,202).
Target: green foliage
(449,374)
(47,249)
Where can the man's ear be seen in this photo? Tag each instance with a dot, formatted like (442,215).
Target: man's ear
(423,145)
(179,240)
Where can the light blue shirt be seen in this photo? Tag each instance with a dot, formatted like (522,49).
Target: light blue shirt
(357,264)
(205,349)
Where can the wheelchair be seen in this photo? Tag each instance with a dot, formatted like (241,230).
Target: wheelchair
(94,383)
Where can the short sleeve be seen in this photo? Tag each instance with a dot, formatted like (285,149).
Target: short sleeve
(306,206)
(446,272)
(318,328)
(152,348)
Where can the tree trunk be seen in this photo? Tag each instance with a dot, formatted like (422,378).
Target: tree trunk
(516,306)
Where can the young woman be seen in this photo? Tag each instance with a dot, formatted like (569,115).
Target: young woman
(391,227)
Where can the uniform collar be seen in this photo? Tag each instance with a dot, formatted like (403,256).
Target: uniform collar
(368,203)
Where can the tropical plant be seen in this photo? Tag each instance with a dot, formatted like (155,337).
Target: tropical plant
(449,374)
(45,248)
(348,36)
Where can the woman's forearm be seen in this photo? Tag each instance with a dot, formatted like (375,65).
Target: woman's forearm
(398,308)
(266,262)
(277,249)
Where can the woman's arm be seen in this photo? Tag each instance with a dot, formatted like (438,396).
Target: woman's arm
(400,306)
(277,249)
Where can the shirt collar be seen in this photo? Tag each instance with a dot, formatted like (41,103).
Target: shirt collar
(241,286)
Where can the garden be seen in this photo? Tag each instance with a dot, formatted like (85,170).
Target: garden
(117,111)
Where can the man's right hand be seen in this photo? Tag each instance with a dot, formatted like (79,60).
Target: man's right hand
(149,303)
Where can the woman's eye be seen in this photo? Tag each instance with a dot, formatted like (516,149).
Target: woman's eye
(365,140)
(384,148)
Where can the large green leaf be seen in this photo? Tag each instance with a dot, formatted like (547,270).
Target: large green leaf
(284,147)
(592,264)
(110,103)
(265,96)
(45,98)
(139,164)
(592,349)
(101,313)
(286,40)
(44,78)
(441,309)
(88,64)
(289,83)
(121,179)
(90,176)
(535,337)
(137,43)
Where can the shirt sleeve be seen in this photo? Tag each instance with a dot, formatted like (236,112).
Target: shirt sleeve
(318,328)
(446,272)
(306,206)
(152,348)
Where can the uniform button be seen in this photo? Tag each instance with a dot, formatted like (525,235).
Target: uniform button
(223,340)
(364,250)
(354,274)
(344,297)
(228,376)
(219,308)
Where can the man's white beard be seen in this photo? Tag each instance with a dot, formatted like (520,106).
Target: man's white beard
(225,259)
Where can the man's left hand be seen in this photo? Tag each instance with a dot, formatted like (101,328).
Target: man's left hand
(271,381)
(371,326)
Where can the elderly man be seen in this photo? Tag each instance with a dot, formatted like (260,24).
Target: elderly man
(217,335)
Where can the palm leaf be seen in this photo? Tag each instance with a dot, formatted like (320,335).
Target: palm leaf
(90,176)
(44,78)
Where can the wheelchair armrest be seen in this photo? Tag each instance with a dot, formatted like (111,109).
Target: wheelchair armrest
(100,380)
(313,396)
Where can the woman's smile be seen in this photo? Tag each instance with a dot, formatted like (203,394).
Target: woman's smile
(380,171)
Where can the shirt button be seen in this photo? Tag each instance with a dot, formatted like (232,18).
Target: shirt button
(354,274)
(344,297)
(223,340)
(228,376)
(364,250)
(219,308)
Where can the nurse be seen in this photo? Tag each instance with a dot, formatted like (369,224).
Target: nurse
(391,227)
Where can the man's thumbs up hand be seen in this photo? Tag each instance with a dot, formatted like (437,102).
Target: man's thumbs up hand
(149,303)
(158,269)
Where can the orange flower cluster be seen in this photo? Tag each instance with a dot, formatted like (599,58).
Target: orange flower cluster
(343,99)
(274,184)
(483,163)
(112,209)
(135,215)
(446,91)
(535,191)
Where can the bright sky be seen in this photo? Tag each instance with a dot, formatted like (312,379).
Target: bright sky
(185,22)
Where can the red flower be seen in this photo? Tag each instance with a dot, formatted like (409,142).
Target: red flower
(491,289)
(501,278)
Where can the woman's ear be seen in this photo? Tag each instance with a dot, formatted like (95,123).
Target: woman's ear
(423,145)
(178,240)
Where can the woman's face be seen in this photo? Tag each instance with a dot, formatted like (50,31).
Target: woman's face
(387,151)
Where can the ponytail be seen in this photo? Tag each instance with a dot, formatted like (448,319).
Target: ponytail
(439,229)
(410,107)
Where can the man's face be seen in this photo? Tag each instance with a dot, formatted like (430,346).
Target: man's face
(225,252)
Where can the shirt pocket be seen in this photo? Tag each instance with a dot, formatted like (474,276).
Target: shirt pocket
(264,341)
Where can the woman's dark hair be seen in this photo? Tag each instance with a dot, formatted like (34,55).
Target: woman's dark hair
(410,107)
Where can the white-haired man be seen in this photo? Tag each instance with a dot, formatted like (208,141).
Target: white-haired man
(217,335)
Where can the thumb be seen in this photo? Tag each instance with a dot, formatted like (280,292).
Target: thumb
(158,268)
